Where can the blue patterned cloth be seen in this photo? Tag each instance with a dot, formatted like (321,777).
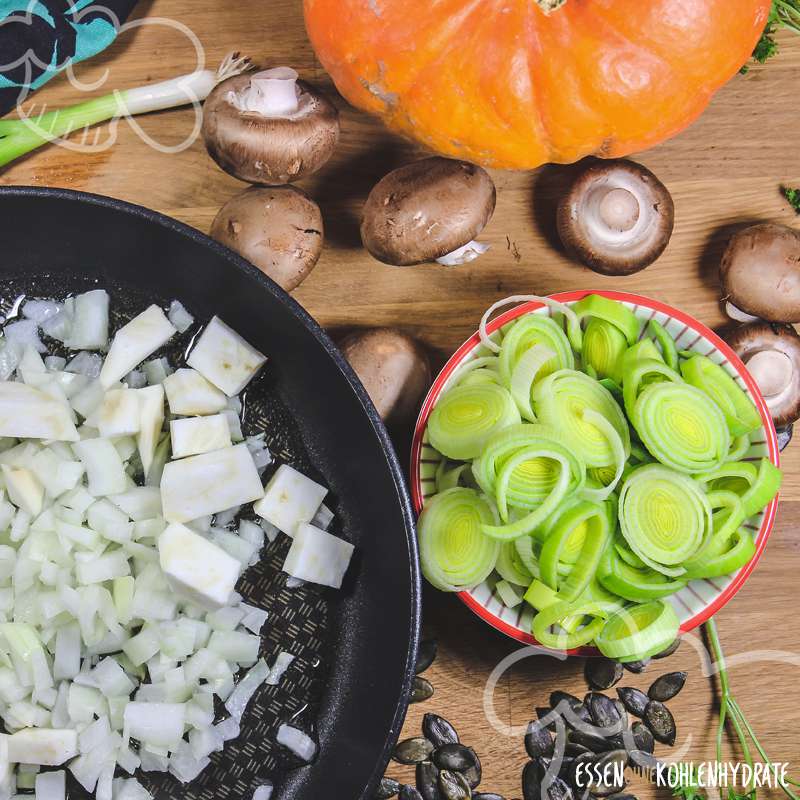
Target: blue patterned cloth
(40,37)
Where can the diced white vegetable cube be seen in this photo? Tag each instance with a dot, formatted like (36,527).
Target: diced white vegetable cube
(246,688)
(205,742)
(159,724)
(151,411)
(30,413)
(290,498)
(89,399)
(118,414)
(194,435)
(318,556)
(24,489)
(45,746)
(156,370)
(134,342)
(184,766)
(195,568)
(189,393)
(51,785)
(57,475)
(179,316)
(139,502)
(302,745)
(282,662)
(67,659)
(104,467)
(90,321)
(225,358)
(143,646)
(254,618)
(207,483)
(103,568)
(111,679)
(263,792)
(30,364)
(236,646)
(24,333)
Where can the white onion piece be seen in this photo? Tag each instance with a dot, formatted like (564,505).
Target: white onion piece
(301,744)
(246,688)
(263,792)
(282,663)
(179,316)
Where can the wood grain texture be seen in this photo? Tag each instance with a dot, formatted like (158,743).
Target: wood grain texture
(724,172)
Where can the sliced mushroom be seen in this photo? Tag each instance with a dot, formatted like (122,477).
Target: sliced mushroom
(393,368)
(771,353)
(617,217)
(276,228)
(269,127)
(760,273)
(430,210)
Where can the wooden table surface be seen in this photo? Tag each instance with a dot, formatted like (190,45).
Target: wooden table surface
(723,172)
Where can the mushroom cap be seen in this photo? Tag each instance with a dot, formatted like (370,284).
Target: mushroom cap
(760,272)
(617,217)
(276,228)
(771,353)
(425,210)
(394,369)
(269,150)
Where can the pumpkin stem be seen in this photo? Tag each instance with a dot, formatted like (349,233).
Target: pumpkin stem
(550,5)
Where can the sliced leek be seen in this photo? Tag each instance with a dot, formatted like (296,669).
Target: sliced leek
(511,567)
(639,631)
(620,316)
(454,552)
(604,345)
(667,344)
(631,583)
(530,331)
(764,490)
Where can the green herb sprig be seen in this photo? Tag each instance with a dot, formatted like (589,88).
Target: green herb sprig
(784,14)
(792,197)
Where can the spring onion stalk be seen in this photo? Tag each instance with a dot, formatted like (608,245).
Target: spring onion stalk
(664,516)
(604,345)
(639,631)
(595,306)
(21,136)
(454,552)
(740,413)
(467,415)
(511,567)
(667,344)
(682,427)
(562,400)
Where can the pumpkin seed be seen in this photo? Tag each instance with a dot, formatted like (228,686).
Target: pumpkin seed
(556,789)
(427,779)
(409,793)
(566,767)
(426,655)
(538,741)
(622,796)
(606,764)
(531,782)
(546,713)
(602,673)
(388,787)
(421,690)
(573,749)
(475,773)
(668,651)
(643,738)
(637,666)
(634,700)
(454,786)
(642,760)
(570,707)
(604,713)
(577,781)
(487,796)
(453,756)
(597,744)
(659,719)
(667,686)
(438,730)
(412,751)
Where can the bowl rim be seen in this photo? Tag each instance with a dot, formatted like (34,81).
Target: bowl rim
(761,536)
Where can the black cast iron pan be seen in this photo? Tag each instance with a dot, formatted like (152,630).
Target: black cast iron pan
(356,648)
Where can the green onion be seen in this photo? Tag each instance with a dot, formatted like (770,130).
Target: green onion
(454,553)
(21,136)
(664,516)
(639,631)
(740,413)
(467,415)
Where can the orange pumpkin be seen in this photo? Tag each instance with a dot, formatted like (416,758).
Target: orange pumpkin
(505,84)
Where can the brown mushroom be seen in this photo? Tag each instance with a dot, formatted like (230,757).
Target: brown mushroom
(268,127)
(617,217)
(760,273)
(771,353)
(393,368)
(430,210)
(276,228)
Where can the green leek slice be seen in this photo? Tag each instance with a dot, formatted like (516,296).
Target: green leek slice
(667,344)
(563,640)
(449,478)
(763,491)
(632,583)
(740,413)
(528,331)
(467,415)
(528,369)
(682,427)
(508,594)
(603,348)
(618,450)
(511,566)
(642,373)
(561,400)
(723,559)
(738,449)
(540,595)
(664,516)
(644,350)
(527,552)
(454,553)
(732,477)
(638,631)
(617,314)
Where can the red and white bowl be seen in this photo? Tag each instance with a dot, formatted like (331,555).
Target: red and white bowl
(700,599)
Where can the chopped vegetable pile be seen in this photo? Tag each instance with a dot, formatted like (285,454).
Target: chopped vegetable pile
(121,483)
(595,469)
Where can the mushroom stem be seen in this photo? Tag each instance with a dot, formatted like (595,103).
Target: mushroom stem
(462,255)
(271,93)
(619,209)
(772,371)
(734,312)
